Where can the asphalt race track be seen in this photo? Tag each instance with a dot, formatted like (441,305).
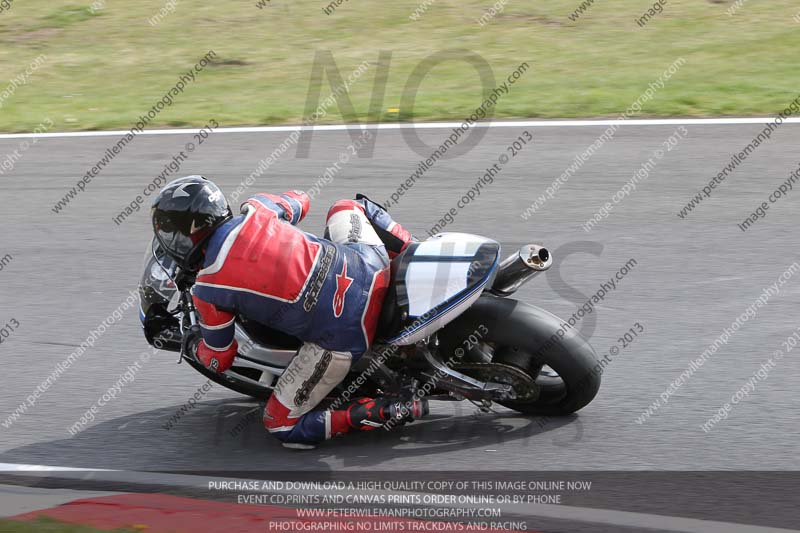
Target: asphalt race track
(692,278)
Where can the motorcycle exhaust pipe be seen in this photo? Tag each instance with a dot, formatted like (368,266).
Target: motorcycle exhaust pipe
(519,268)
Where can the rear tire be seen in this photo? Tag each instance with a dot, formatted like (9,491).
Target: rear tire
(521,335)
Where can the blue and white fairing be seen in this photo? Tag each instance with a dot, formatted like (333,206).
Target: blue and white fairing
(436,280)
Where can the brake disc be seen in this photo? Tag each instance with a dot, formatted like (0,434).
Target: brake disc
(523,385)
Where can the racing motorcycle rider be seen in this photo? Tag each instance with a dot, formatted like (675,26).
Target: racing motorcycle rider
(325,291)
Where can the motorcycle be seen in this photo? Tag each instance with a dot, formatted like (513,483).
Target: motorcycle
(448,330)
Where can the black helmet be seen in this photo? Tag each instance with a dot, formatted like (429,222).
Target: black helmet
(185,214)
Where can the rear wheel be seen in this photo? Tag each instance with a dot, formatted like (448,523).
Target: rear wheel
(513,334)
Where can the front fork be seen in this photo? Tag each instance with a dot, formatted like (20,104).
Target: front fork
(193,329)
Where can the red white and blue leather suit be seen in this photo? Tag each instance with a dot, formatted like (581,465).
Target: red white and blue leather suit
(325,291)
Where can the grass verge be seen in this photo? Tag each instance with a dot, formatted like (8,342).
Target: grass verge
(106,65)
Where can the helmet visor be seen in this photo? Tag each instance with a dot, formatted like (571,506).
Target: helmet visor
(173,239)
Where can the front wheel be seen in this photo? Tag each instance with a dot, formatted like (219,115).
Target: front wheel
(233,382)
(565,368)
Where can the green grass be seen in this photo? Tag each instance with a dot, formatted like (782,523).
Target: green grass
(104,69)
(47,525)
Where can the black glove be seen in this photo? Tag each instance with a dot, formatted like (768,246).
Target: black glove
(360,196)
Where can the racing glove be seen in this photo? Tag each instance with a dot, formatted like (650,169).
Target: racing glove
(218,347)
(394,236)
(218,361)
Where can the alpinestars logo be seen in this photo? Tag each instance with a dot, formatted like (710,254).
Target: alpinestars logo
(342,284)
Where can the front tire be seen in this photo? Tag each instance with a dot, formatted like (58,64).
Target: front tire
(526,336)
(260,393)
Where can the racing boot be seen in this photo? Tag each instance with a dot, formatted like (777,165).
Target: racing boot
(366,414)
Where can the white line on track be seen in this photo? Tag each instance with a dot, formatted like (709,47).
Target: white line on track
(17,467)
(421,126)
(609,517)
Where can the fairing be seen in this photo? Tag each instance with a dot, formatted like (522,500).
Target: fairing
(436,280)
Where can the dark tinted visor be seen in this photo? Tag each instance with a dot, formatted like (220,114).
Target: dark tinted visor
(172,238)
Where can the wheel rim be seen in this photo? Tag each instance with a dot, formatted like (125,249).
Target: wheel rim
(552,388)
